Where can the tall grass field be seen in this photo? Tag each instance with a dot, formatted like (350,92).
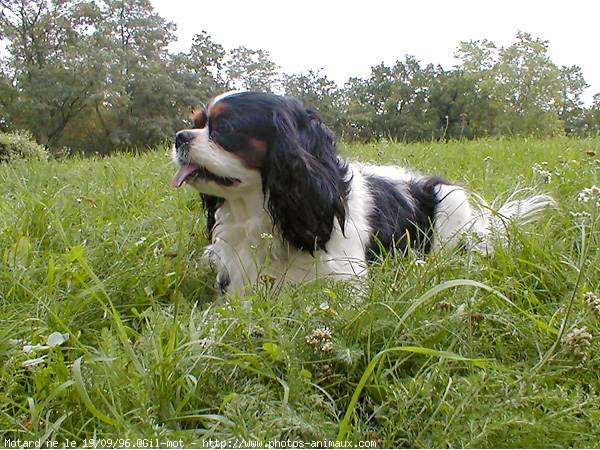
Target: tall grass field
(112,333)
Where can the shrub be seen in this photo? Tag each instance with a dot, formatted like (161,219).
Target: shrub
(20,145)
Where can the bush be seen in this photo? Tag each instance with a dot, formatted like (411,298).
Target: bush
(20,145)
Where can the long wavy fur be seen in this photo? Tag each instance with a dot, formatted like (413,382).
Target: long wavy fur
(304,181)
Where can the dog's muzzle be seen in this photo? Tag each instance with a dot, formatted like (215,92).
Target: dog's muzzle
(184,137)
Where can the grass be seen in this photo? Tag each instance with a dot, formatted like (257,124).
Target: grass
(458,351)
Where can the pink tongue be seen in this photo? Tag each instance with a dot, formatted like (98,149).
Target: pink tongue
(183,173)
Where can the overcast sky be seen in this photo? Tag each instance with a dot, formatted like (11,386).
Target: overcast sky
(346,38)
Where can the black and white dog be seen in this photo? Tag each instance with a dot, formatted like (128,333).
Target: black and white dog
(282,205)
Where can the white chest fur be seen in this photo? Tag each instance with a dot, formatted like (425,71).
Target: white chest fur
(247,249)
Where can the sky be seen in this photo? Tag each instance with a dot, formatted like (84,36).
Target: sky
(346,38)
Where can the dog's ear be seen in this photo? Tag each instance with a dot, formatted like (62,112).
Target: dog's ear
(304,181)
(198,117)
(210,204)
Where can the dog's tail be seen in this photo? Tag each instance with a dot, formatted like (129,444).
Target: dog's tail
(461,214)
(490,224)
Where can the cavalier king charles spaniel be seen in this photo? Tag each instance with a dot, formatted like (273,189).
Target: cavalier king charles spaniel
(282,206)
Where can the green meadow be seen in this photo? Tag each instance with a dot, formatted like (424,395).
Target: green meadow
(111,330)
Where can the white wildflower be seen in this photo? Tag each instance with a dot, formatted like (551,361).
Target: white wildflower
(590,195)
(327,347)
(579,340)
(266,236)
(593,301)
(320,338)
(580,215)
(540,171)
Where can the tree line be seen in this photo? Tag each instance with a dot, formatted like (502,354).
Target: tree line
(95,76)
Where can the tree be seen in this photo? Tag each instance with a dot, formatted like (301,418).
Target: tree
(454,101)
(479,61)
(572,108)
(522,84)
(199,73)
(53,65)
(8,95)
(392,102)
(251,69)
(591,118)
(529,84)
(478,56)
(136,107)
(97,75)
(318,92)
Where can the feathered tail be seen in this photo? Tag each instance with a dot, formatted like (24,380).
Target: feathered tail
(490,224)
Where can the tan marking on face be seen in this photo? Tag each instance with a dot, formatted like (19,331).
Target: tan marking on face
(259,144)
(218,109)
(199,118)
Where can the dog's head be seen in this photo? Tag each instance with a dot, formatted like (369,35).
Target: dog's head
(249,142)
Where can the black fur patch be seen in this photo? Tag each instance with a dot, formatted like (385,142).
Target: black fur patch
(307,183)
(304,181)
(223,281)
(401,221)
(210,205)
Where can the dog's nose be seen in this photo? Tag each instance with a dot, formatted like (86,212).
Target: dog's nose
(183,137)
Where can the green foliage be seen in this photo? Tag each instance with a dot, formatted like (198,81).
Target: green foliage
(20,145)
(392,102)
(251,70)
(55,66)
(316,91)
(591,119)
(515,90)
(572,113)
(98,76)
(528,83)
(456,350)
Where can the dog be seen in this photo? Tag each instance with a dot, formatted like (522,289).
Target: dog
(282,206)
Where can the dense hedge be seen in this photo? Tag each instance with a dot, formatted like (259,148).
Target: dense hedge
(20,145)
